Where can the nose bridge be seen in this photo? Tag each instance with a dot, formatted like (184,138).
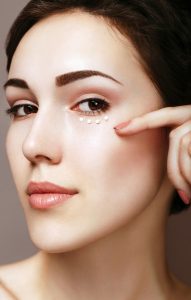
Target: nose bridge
(42,138)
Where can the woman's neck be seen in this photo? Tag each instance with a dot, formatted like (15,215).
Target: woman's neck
(128,264)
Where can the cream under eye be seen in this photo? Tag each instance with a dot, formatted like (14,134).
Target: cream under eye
(91,106)
(21,110)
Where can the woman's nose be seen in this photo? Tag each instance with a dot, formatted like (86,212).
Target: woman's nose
(42,142)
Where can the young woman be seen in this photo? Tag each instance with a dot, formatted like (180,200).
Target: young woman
(99,146)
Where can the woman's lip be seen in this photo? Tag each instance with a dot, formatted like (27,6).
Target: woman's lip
(48,188)
(49,200)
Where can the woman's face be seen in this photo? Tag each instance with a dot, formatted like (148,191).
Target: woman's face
(116,178)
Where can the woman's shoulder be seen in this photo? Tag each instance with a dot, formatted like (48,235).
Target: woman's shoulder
(6,293)
(15,279)
(10,272)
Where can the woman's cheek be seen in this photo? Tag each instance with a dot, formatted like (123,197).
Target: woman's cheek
(123,166)
(18,163)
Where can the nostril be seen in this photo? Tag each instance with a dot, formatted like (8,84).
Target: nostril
(40,143)
(39,158)
(37,153)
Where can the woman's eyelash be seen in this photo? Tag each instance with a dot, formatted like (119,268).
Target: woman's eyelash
(13,111)
(92,106)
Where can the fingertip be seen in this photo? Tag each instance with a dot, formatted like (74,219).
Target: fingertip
(185,198)
(122,125)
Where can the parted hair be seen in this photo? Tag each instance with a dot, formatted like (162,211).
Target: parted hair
(160,30)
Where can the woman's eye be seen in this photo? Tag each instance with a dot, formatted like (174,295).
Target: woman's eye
(22,110)
(92,106)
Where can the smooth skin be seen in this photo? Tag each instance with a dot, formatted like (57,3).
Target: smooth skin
(179,154)
(108,242)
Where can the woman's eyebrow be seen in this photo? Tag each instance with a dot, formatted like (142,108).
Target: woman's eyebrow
(16,82)
(61,79)
(77,75)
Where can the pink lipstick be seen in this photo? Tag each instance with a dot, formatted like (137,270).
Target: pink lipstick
(45,195)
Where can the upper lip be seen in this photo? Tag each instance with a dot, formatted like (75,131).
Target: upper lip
(47,188)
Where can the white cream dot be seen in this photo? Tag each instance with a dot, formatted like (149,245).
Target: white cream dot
(106,118)
(81,119)
(89,121)
(98,121)
(66,108)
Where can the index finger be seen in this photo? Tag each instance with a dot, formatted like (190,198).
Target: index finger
(167,116)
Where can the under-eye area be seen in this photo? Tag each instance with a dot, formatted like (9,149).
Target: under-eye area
(94,121)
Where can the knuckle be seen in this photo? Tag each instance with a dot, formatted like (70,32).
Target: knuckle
(168,108)
(172,134)
(185,141)
(189,180)
(171,176)
(189,150)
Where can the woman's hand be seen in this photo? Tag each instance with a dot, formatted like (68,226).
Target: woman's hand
(179,155)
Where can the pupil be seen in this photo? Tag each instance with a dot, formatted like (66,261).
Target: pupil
(95,105)
(29,109)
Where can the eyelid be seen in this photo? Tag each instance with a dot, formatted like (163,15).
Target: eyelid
(89,97)
(12,101)
(12,92)
(92,97)
(23,104)
(84,96)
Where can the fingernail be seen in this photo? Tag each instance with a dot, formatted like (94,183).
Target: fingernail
(122,125)
(184,197)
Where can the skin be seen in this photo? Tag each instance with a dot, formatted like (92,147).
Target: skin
(107,241)
(179,154)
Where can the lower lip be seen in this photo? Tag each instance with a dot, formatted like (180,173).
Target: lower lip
(45,201)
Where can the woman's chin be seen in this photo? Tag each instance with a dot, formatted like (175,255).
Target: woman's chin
(66,242)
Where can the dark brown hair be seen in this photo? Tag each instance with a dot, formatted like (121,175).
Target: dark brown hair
(159,30)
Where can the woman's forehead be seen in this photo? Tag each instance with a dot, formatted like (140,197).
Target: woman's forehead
(75,36)
(69,43)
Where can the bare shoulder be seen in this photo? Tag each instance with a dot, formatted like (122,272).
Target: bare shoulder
(14,271)
(15,278)
(6,294)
